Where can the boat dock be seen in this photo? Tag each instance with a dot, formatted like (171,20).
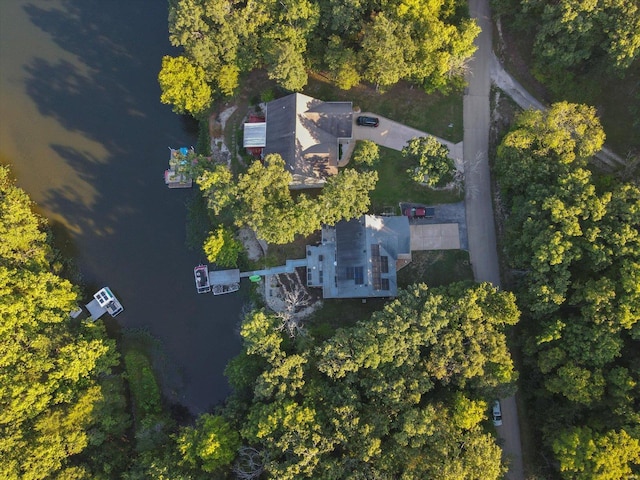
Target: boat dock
(290,267)
(104,301)
(224,281)
(228,281)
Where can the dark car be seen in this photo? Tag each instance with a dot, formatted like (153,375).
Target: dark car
(364,121)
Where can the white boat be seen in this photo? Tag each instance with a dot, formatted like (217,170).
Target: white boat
(104,301)
(222,289)
(201,275)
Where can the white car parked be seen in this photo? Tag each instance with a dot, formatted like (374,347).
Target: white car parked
(497,413)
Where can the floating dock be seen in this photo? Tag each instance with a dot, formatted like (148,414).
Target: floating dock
(177,175)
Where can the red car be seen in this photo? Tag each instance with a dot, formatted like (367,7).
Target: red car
(420,212)
(415,212)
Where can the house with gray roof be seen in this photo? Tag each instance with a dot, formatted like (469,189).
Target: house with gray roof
(360,258)
(307,133)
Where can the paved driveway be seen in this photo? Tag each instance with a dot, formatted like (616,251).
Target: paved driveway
(395,135)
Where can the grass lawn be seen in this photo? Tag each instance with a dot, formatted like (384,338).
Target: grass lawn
(395,185)
(341,312)
(436,268)
(279,254)
(437,114)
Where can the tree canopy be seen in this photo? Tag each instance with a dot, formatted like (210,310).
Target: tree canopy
(55,404)
(427,42)
(399,395)
(433,164)
(261,200)
(366,153)
(183,85)
(575,241)
(571,36)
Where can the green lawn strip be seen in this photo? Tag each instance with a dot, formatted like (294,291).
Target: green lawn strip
(279,254)
(341,312)
(437,114)
(436,268)
(143,386)
(394,185)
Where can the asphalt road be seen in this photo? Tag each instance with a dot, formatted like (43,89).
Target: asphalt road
(479,207)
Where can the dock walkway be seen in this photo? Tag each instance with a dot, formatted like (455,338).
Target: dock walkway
(290,267)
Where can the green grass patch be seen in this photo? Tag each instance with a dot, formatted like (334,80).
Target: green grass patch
(143,386)
(615,98)
(341,312)
(436,268)
(279,254)
(440,115)
(395,185)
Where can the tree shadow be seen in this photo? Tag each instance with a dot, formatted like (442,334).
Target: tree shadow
(130,231)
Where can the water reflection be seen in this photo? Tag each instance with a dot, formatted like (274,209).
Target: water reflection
(88,140)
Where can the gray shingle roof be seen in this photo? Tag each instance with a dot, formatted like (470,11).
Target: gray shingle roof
(305,132)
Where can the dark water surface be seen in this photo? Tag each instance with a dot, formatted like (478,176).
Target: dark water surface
(82,126)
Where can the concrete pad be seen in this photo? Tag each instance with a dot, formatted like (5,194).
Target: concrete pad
(440,236)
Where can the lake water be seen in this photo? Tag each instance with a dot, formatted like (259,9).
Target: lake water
(83,128)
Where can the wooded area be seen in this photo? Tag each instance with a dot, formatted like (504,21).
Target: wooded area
(261,200)
(575,36)
(62,410)
(403,394)
(406,391)
(365,40)
(573,239)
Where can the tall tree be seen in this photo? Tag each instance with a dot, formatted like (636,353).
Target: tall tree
(386,51)
(434,165)
(585,454)
(361,401)
(266,204)
(222,248)
(346,195)
(211,445)
(576,241)
(184,86)
(49,381)
(366,153)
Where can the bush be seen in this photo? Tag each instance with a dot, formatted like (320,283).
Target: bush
(144,389)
